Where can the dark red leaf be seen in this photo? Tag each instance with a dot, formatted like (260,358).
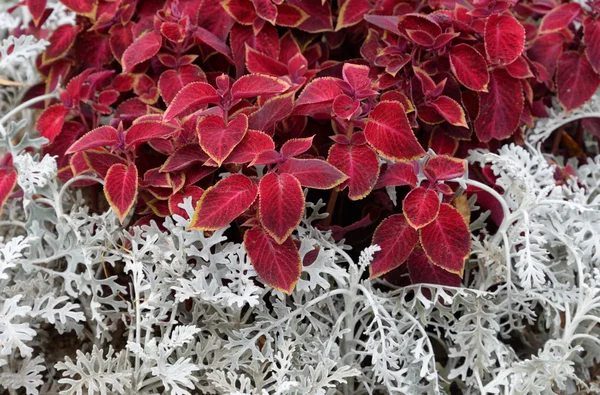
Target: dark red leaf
(80,6)
(446,240)
(469,67)
(450,110)
(217,139)
(317,96)
(8,180)
(500,108)
(576,80)
(423,271)
(360,163)
(99,160)
(504,39)
(145,131)
(253,85)
(99,137)
(420,207)
(389,132)
(290,16)
(398,174)
(295,147)
(36,8)
(397,240)
(224,202)
(174,200)
(184,157)
(351,12)
(278,265)
(519,68)
(253,143)
(61,40)
(120,188)
(444,167)
(559,18)
(142,49)
(281,205)
(591,39)
(172,81)
(418,22)
(193,95)
(273,110)
(313,173)
(51,121)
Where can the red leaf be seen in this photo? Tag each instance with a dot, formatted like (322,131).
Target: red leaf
(145,131)
(241,10)
(504,39)
(217,139)
(80,6)
(100,161)
(313,173)
(142,49)
(320,15)
(184,157)
(422,270)
(174,200)
(273,110)
(427,84)
(576,79)
(591,39)
(120,188)
(99,137)
(8,180)
(172,81)
(281,205)
(519,68)
(224,202)
(398,174)
(386,22)
(420,207)
(559,18)
(61,40)
(318,96)
(450,110)
(469,67)
(295,147)
(344,106)
(278,265)
(253,85)
(51,121)
(207,37)
(195,94)
(257,62)
(444,167)
(500,108)
(267,157)
(397,239)
(418,22)
(389,132)
(36,8)
(447,241)
(351,12)
(253,143)
(360,163)
(546,50)
(290,16)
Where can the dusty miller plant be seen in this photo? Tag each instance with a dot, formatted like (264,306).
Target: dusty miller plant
(87,306)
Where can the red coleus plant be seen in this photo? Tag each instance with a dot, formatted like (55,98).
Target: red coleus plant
(162,97)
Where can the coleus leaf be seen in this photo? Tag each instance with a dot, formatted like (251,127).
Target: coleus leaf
(217,139)
(51,121)
(397,240)
(100,160)
(177,198)
(313,173)
(224,202)
(61,40)
(420,207)
(389,132)
(360,163)
(295,147)
(172,81)
(120,188)
(500,107)
(559,18)
(351,12)
(193,95)
(318,96)
(36,8)
(99,137)
(418,22)
(422,270)
(278,265)
(576,79)
(290,16)
(253,143)
(80,6)
(142,49)
(281,204)
(273,110)
(253,85)
(450,110)
(591,39)
(446,240)
(504,39)
(184,157)
(145,131)
(8,180)
(469,67)
(444,167)
(398,174)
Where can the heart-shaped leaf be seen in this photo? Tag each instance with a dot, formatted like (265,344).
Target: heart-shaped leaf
(172,81)
(224,202)
(120,188)
(389,132)
(469,67)
(217,139)
(317,97)
(281,205)
(422,270)
(278,265)
(397,239)
(420,207)
(444,167)
(447,240)
(253,143)
(142,49)
(142,132)
(193,96)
